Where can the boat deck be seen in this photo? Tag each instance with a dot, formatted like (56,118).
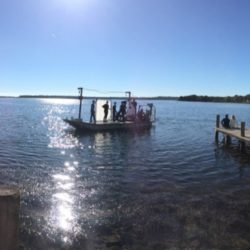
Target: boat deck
(108,125)
(108,122)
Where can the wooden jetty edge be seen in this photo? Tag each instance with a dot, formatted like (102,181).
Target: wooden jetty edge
(9,218)
(241,133)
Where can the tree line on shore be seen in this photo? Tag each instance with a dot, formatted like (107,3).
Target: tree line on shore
(190,98)
(201,98)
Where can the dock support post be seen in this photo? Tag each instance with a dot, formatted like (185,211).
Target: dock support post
(228,139)
(242,128)
(242,132)
(217,126)
(80,106)
(9,218)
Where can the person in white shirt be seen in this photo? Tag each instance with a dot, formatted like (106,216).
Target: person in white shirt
(233,122)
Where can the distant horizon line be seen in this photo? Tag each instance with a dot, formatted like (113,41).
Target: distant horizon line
(97,97)
(113,97)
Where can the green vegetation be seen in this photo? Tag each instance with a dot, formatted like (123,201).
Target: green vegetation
(233,99)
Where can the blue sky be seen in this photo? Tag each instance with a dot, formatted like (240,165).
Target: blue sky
(152,48)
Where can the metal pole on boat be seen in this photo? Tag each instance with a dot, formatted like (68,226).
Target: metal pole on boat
(129,94)
(80,97)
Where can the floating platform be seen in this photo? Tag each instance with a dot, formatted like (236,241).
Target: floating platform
(108,125)
(104,113)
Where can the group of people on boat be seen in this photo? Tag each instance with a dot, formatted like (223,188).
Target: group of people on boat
(229,122)
(124,113)
(121,114)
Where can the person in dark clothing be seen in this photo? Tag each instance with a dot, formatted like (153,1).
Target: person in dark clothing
(122,112)
(92,112)
(225,121)
(141,114)
(106,110)
(114,111)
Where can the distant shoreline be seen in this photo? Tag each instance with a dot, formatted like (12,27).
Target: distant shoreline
(8,97)
(190,98)
(226,99)
(99,97)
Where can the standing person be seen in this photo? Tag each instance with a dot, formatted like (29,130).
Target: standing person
(123,110)
(106,110)
(131,112)
(134,103)
(92,112)
(225,121)
(114,111)
(233,122)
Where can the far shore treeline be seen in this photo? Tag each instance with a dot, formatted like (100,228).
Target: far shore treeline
(201,98)
(189,98)
(99,97)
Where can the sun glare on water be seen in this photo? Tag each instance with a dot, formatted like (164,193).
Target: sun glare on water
(59,101)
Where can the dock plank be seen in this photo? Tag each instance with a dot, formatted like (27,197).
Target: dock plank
(235,132)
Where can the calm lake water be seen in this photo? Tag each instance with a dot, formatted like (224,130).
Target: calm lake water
(168,188)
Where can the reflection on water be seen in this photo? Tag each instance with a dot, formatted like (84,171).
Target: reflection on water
(56,130)
(167,188)
(57,101)
(63,210)
(99,142)
(62,215)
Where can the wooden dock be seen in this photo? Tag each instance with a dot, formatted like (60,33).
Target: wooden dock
(241,133)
